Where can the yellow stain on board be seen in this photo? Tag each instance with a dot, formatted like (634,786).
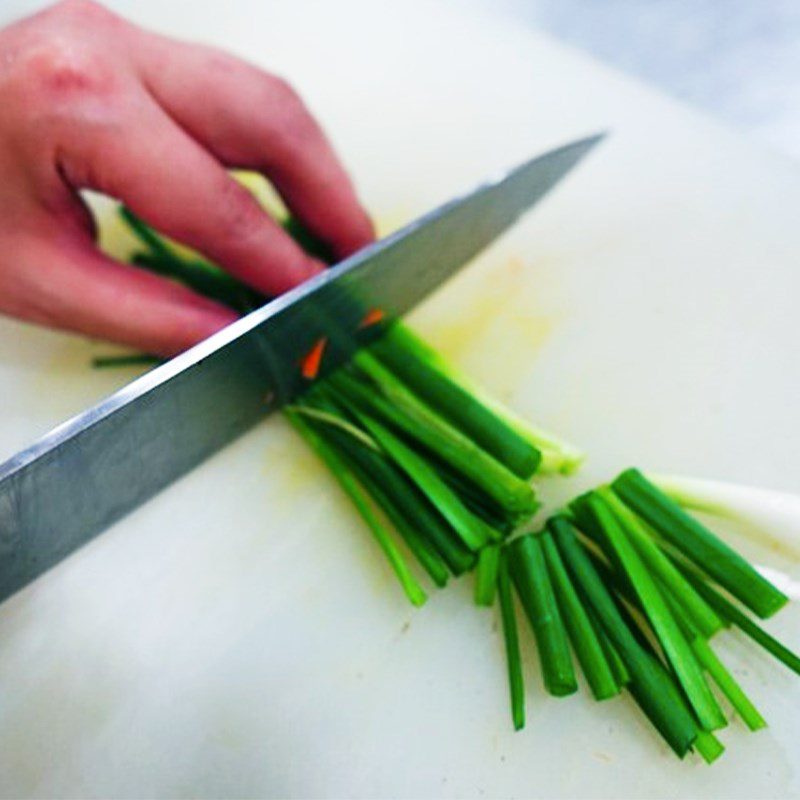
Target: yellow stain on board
(491,325)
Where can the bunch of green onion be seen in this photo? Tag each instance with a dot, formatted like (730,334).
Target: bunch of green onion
(425,458)
(636,588)
(623,578)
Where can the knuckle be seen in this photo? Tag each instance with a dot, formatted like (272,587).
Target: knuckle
(288,123)
(57,69)
(241,218)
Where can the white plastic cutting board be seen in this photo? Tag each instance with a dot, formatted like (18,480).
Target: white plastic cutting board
(241,635)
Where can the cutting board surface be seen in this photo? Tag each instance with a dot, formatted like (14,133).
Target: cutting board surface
(240,635)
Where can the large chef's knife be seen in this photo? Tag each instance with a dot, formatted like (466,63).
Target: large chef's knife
(93,469)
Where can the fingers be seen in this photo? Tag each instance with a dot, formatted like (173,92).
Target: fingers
(61,281)
(166,178)
(253,120)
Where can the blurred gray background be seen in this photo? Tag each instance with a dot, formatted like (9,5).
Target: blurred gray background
(737,59)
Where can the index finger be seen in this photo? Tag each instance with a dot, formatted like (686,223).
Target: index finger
(250,119)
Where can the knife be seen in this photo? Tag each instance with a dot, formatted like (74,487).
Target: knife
(95,468)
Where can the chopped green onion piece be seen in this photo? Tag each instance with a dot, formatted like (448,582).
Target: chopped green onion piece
(398,407)
(529,571)
(423,551)
(473,531)
(709,747)
(557,455)
(411,361)
(486,575)
(728,685)
(350,485)
(621,674)
(338,421)
(719,673)
(582,634)
(729,611)
(515,680)
(155,243)
(134,359)
(699,544)
(698,610)
(650,684)
(676,648)
(402,494)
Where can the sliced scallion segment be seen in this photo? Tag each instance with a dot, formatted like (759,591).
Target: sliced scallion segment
(473,531)
(698,610)
(585,642)
(418,367)
(650,684)
(675,646)
(557,456)
(486,575)
(516,682)
(699,544)
(529,572)
(350,485)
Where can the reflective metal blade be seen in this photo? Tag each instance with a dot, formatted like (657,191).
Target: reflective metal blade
(95,468)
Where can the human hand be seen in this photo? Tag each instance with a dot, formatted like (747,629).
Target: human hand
(90,101)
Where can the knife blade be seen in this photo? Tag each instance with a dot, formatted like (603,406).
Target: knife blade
(95,468)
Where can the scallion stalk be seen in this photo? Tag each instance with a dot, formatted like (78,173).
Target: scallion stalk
(486,575)
(397,406)
(621,674)
(709,747)
(727,684)
(516,682)
(529,572)
(675,646)
(698,610)
(473,531)
(699,544)
(719,673)
(729,611)
(650,684)
(583,636)
(557,456)
(351,487)
(405,355)
(404,495)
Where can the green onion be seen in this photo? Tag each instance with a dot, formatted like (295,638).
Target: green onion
(529,571)
(698,610)
(719,673)
(676,648)
(474,499)
(133,359)
(423,551)
(557,456)
(727,684)
(650,684)
(511,637)
(486,575)
(709,747)
(414,364)
(201,276)
(629,607)
(401,494)
(398,407)
(350,485)
(582,634)
(338,421)
(729,611)
(693,539)
(473,531)
(621,674)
